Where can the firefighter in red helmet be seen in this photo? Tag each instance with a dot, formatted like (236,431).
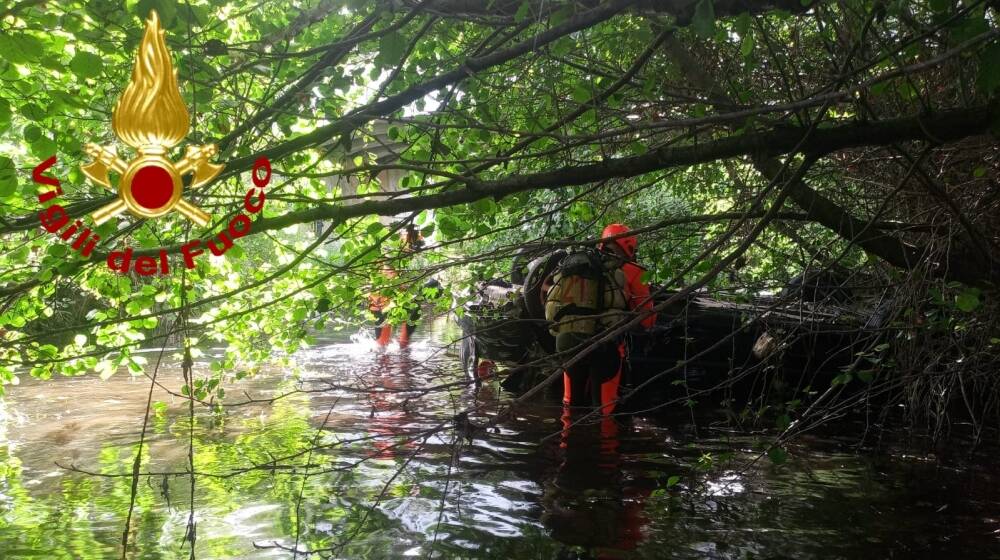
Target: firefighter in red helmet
(589,294)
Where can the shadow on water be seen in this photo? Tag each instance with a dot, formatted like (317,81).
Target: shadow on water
(380,485)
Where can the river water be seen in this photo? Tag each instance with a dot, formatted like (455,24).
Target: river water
(380,483)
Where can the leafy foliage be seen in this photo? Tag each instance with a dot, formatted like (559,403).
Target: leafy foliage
(492,128)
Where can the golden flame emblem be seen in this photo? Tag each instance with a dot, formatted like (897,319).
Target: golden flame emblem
(151,118)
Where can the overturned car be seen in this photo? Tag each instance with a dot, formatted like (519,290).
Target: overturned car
(811,331)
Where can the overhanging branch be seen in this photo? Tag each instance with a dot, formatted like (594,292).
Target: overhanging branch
(945,126)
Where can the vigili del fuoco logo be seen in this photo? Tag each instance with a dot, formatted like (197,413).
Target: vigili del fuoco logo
(151,118)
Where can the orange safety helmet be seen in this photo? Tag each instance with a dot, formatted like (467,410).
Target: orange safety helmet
(627,243)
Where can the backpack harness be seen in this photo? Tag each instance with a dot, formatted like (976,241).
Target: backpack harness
(587,294)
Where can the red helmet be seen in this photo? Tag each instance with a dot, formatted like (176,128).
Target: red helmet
(627,243)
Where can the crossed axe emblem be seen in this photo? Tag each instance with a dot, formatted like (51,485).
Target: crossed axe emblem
(150,185)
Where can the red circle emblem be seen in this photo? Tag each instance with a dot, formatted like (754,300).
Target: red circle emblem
(152,187)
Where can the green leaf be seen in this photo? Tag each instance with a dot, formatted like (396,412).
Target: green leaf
(43,147)
(204,95)
(20,47)
(968,300)
(673,480)
(32,133)
(33,112)
(21,254)
(523,12)
(484,207)
(966,28)
(167,10)
(391,48)
(159,409)
(562,15)
(86,65)
(195,15)
(703,21)
(742,25)
(235,252)
(581,93)
(638,148)
(449,227)
(8,177)
(842,379)
(746,49)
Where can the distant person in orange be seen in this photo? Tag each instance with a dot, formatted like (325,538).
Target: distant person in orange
(412,242)
(378,305)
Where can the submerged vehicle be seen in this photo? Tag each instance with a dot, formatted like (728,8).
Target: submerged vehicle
(809,332)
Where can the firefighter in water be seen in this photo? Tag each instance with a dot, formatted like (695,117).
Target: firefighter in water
(378,305)
(592,291)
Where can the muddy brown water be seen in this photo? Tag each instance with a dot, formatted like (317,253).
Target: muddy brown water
(674,486)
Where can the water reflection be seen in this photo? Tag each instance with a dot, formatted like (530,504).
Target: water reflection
(382,484)
(589,505)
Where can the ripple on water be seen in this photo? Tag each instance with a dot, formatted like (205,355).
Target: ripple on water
(647,492)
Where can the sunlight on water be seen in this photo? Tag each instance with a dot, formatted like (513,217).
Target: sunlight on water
(726,485)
